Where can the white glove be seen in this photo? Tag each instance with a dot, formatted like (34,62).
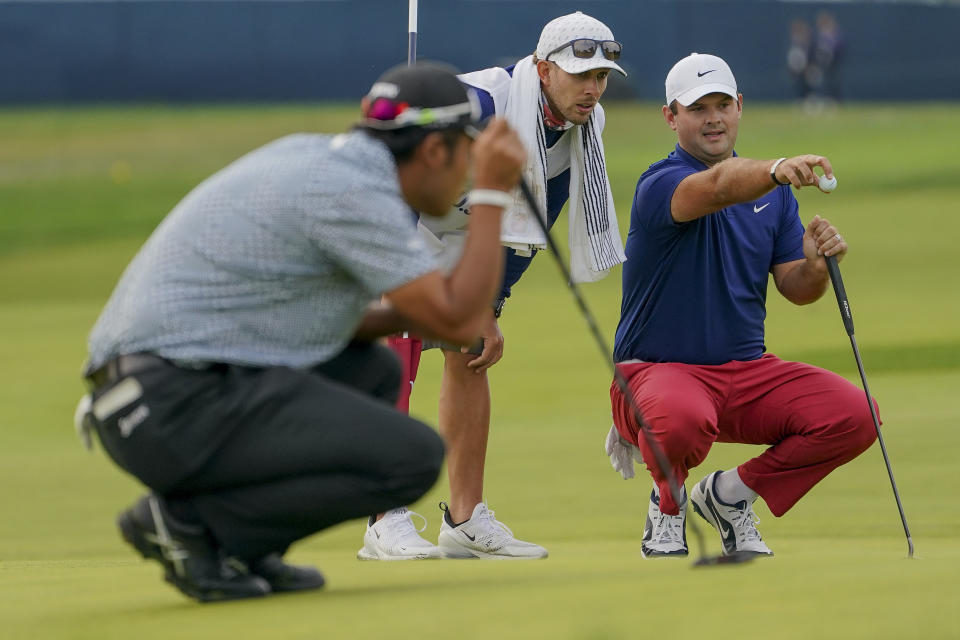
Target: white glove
(622,453)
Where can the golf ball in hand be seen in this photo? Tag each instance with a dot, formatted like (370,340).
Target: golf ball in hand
(828,184)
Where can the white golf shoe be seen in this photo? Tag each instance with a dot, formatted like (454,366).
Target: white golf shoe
(737,523)
(483,536)
(664,535)
(394,537)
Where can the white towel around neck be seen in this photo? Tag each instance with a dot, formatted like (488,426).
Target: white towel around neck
(594,237)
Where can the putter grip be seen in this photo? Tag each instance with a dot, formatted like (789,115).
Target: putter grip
(834,270)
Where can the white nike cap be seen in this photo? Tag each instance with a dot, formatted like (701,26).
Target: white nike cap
(697,75)
(563,31)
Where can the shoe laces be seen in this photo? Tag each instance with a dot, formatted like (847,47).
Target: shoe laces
(169,547)
(400,522)
(494,527)
(745,522)
(668,529)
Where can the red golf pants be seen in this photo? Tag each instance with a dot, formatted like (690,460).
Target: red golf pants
(408,350)
(813,419)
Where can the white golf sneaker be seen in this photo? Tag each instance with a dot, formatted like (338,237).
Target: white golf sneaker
(394,537)
(737,523)
(664,535)
(483,536)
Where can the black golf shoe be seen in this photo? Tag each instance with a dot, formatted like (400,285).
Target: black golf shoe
(285,577)
(190,558)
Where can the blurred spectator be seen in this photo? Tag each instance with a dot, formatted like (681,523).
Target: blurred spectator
(828,49)
(798,57)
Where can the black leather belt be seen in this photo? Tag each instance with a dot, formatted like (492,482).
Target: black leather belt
(123,366)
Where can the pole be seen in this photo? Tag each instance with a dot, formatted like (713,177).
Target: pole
(412,31)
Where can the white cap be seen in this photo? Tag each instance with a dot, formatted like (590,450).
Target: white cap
(697,75)
(573,26)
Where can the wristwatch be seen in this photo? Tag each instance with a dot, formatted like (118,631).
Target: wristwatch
(498,306)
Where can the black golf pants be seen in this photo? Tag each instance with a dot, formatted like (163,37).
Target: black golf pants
(265,457)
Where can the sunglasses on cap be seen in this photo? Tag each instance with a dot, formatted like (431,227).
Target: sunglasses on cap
(384,113)
(587,47)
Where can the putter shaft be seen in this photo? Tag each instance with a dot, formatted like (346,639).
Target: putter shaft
(837,280)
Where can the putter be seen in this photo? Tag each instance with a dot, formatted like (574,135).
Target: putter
(659,456)
(834,270)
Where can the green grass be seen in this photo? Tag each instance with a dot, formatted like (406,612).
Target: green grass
(80,189)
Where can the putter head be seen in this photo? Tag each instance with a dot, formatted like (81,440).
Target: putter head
(738,557)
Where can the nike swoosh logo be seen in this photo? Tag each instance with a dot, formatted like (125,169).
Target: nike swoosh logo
(757,209)
(700,75)
(725,532)
(472,538)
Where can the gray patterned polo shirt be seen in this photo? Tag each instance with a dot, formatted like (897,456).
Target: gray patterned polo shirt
(270,261)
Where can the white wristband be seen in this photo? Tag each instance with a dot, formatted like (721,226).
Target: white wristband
(491,197)
(773,173)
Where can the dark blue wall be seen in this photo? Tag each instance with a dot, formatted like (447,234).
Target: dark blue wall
(262,49)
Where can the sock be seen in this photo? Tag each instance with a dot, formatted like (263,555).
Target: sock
(731,489)
(446,516)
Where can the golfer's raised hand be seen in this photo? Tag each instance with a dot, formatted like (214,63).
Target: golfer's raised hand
(498,157)
(798,170)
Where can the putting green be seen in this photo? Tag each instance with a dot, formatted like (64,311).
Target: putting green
(81,190)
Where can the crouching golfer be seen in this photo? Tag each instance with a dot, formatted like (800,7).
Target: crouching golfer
(707,230)
(232,370)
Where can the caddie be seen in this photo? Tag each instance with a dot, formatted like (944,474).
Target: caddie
(552,98)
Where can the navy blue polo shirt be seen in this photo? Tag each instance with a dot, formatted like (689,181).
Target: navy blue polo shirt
(558,192)
(696,291)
